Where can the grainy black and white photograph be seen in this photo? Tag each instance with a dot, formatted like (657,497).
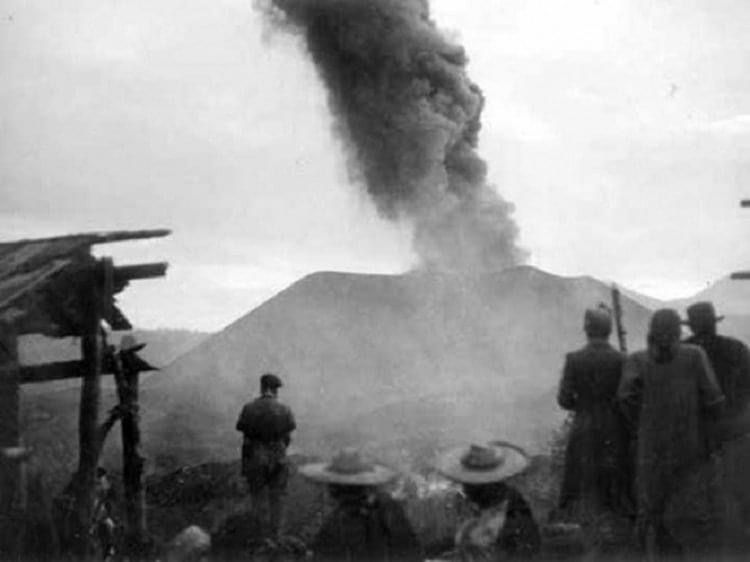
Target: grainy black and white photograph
(374,280)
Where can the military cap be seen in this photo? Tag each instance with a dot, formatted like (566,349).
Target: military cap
(269,380)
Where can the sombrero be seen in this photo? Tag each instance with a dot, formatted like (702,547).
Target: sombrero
(482,464)
(348,468)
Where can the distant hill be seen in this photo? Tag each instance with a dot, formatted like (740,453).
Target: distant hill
(392,362)
(731,299)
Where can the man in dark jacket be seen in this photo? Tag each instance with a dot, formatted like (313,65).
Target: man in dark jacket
(730,360)
(597,475)
(266,425)
(670,393)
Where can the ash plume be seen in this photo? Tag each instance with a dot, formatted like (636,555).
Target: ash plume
(409,118)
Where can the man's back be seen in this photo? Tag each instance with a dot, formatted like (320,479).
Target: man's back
(675,398)
(265,419)
(591,375)
(730,360)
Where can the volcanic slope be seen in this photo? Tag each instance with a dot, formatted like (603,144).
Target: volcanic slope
(397,363)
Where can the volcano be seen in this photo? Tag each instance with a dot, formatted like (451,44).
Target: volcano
(399,364)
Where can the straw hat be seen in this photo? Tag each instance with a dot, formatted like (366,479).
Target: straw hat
(482,464)
(348,468)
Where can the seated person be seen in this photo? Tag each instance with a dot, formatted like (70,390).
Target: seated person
(503,526)
(366,524)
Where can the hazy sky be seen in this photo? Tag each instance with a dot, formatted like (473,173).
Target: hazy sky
(619,128)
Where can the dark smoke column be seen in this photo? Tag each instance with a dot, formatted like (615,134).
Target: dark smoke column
(409,117)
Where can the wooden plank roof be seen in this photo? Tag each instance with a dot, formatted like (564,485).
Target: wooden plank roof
(27,266)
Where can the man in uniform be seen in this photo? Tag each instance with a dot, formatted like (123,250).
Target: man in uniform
(596,477)
(730,360)
(266,425)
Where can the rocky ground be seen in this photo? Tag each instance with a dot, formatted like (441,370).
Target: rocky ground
(213,496)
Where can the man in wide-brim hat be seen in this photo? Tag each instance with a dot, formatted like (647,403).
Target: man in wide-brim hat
(366,523)
(730,359)
(503,525)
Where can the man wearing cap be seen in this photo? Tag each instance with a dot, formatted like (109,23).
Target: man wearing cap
(670,395)
(730,360)
(267,425)
(503,526)
(597,475)
(366,524)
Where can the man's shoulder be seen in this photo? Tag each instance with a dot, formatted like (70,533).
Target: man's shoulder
(639,357)
(595,353)
(692,353)
(733,344)
(690,349)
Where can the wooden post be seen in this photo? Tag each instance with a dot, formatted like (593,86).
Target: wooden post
(132,461)
(10,476)
(88,426)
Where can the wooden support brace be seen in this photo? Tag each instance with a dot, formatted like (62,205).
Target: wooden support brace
(69,370)
(125,273)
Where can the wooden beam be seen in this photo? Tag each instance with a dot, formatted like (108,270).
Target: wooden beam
(70,370)
(125,273)
(98,237)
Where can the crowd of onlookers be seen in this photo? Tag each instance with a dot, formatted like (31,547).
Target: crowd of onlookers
(659,436)
(657,447)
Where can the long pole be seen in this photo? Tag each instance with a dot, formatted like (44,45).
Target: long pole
(617,310)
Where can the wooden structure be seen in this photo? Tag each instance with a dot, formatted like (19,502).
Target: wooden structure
(56,287)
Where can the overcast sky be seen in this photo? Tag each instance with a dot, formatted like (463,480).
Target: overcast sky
(619,128)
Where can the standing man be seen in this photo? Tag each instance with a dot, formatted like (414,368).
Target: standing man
(669,392)
(266,425)
(596,477)
(730,360)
